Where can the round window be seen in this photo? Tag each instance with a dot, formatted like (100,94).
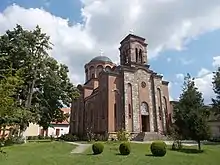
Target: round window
(143,84)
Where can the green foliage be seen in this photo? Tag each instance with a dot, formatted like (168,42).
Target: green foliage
(69,137)
(190,114)
(33,85)
(123,135)
(9,108)
(97,148)
(158,148)
(125,148)
(177,145)
(216,89)
(40,137)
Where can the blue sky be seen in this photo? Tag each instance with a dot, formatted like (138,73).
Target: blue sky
(70,9)
(93,34)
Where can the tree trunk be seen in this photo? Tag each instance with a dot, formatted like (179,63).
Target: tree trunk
(30,94)
(199,145)
(28,105)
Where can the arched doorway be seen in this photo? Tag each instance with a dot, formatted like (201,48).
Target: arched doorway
(145,118)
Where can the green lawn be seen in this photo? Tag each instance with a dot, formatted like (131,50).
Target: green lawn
(58,153)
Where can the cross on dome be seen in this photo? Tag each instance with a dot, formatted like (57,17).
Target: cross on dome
(101,52)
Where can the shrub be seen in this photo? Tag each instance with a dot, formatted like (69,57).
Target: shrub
(97,148)
(68,137)
(158,148)
(34,138)
(14,140)
(123,135)
(125,148)
(29,137)
(40,137)
(177,145)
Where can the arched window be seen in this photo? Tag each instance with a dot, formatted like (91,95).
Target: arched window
(87,74)
(136,54)
(159,96)
(129,111)
(99,69)
(108,68)
(140,56)
(159,102)
(144,108)
(92,72)
(129,95)
(165,106)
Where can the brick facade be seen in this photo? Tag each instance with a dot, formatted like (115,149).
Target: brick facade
(130,96)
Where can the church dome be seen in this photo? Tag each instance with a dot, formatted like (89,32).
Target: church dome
(101,59)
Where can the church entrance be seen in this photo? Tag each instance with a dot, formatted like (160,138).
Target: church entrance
(145,120)
(145,123)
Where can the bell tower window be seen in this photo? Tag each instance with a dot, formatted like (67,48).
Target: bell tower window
(136,54)
(133,50)
(140,56)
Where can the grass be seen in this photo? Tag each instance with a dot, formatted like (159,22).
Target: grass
(57,153)
(37,153)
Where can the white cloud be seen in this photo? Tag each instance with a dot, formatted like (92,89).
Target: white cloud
(170,88)
(185,61)
(166,24)
(216,61)
(204,84)
(203,72)
(180,76)
(169,59)
(205,78)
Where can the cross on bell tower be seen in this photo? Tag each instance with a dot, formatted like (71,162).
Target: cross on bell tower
(131,31)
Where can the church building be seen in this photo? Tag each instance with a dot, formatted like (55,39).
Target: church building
(128,96)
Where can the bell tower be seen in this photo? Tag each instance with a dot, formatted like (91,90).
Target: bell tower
(133,51)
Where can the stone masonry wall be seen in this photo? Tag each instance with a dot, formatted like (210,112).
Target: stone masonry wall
(135,79)
(129,78)
(144,76)
(158,84)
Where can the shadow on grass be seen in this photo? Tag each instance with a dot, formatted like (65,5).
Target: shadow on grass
(189,151)
(211,143)
(119,154)
(39,141)
(92,154)
(151,155)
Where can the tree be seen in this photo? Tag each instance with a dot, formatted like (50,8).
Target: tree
(55,92)
(25,50)
(11,113)
(46,86)
(216,89)
(190,114)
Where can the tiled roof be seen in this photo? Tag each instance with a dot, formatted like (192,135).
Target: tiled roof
(65,110)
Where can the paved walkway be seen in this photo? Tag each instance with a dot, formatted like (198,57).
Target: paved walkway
(80,147)
(83,147)
(185,143)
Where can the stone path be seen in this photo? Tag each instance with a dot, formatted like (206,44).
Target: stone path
(83,147)
(185,143)
(80,147)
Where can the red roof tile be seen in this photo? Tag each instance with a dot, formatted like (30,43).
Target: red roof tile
(65,110)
